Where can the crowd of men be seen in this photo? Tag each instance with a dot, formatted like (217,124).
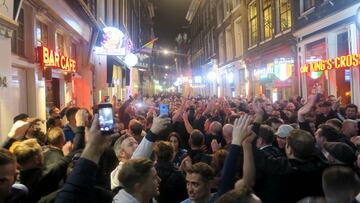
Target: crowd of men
(205,150)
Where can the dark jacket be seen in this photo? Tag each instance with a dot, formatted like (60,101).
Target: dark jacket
(172,185)
(272,151)
(179,156)
(321,118)
(291,178)
(52,155)
(41,182)
(199,156)
(16,195)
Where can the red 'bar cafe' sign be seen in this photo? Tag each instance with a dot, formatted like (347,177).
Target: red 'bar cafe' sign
(347,61)
(48,57)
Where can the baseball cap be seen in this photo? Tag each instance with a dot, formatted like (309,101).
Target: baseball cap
(284,130)
(341,152)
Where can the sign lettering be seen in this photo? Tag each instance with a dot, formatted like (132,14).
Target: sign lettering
(329,64)
(48,57)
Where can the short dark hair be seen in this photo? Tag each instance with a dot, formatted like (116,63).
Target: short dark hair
(336,122)
(51,122)
(351,106)
(267,134)
(6,157)
(242,195)
(70,112)
(164,151)
(134,171)
(330,133)
(302,143)
(273,120)
(197,138)
(203,169)
(339,182)
(19,117)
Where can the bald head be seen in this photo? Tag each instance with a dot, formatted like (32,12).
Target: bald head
(350,128)
(227,133)
(215,128)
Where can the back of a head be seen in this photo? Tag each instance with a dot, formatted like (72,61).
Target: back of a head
(163,151)
(340,184)
(71,112)
(348,126)
(330,133)
(26,150)
(135,127)
(302,143)
(216,127)
(242,195)
(55,136)
(197,138)
(19,117)
(228,128)
(134,171)
(203,169)
(335,123)
(6,157)
(118,145)
(267,134)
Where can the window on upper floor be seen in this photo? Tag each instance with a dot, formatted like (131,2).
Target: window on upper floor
(41,34)
(285,14)
(220,14)
(229,44)
(306,5)
(17,40)
(60,43)
(221,48)
(253,23)
(267,19)
(238,38)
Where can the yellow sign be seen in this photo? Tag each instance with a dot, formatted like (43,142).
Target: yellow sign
(48,57)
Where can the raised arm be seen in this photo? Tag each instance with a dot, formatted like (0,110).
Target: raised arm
(187,123)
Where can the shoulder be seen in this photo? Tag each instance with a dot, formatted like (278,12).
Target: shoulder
(186,201)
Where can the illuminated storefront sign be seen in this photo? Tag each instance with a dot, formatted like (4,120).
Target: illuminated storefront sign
(336,63)
(281,68)
(113,42)
(48,57)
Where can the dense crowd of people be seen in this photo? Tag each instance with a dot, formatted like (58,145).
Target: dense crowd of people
(223,150)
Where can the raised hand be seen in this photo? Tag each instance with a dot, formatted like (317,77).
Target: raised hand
(160,124)
(215,145)
(240,130)
(81,117)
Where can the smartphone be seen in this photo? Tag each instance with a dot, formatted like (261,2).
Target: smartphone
(164,109)
(106,118)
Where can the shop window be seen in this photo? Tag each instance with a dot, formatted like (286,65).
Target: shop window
(285,14)
(60,43)
(253,23)
(267,15)
(17,41)
(343,75)
(316,51)
(41,34)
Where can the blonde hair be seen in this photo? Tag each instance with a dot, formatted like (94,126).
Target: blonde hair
(55,136)
(26,150)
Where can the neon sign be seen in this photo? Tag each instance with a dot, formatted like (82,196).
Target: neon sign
(48,57)
(113,42)
(335,63)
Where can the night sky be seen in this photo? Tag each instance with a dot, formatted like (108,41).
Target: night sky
(169,20)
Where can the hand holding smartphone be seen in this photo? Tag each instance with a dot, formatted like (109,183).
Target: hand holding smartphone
(106,119)
(164,110)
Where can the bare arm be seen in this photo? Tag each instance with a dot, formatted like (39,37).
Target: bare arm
(306,108)
(188,126)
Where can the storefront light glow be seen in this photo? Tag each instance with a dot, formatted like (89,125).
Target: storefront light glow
(230,77)
(198,79)
(211,76)
(131,60)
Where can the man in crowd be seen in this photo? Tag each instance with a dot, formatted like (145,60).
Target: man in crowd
(70,128)
(265,140)
(198,183)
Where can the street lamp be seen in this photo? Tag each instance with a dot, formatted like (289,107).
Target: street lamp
(131,60)
(165,51)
